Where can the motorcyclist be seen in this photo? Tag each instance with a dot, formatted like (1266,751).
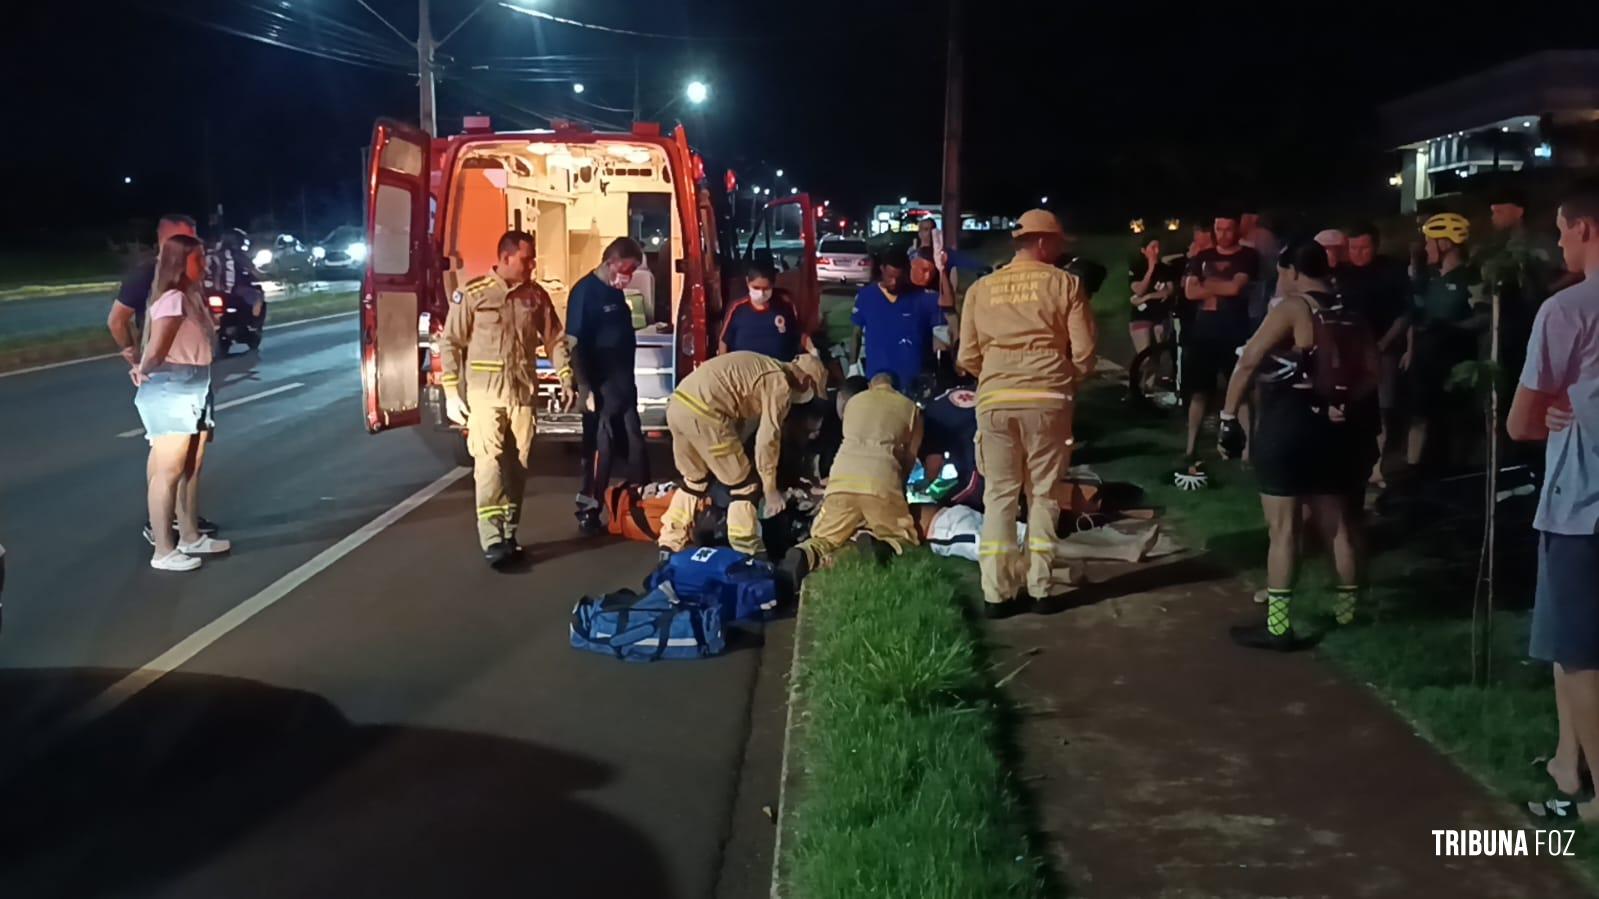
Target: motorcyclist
(230,271)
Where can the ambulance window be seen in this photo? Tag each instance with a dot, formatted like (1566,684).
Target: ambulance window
(402,156)
(391,231)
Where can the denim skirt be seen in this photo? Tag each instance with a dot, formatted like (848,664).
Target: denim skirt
(176,400)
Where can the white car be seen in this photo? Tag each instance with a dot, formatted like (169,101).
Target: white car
(844,260)
(342,253)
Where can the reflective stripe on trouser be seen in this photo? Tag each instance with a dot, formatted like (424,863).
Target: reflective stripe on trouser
(500,439)
(1017,450)
(843,515)
(705,447)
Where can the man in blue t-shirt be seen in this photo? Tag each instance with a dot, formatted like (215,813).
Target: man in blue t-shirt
(898,321)
(764,322)
(127,311)
(600,324)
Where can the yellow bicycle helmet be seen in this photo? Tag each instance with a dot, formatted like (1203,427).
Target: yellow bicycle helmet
(1449,226)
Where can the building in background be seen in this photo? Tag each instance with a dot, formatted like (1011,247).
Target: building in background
(1540,112)
(907,214)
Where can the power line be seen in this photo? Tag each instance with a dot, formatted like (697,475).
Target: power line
(329,53)
(379,16)
(548,17)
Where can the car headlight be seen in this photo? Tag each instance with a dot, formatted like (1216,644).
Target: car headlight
(357,251)
(318,253)
(263,258)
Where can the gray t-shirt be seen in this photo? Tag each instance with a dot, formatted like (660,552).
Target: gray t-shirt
(1563,359)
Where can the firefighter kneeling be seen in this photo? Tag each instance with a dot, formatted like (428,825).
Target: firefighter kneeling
(491,385)
(705,415)
(866,487)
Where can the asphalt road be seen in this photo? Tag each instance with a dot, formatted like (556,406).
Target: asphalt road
(341,718)
(50,315)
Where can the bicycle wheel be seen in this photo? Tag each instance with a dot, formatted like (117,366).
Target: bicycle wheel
(1152,378)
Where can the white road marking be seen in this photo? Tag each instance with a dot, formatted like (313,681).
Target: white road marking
(285,388)
(62,364)
(167,662)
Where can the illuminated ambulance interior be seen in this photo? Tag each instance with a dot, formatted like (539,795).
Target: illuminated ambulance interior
(574,198)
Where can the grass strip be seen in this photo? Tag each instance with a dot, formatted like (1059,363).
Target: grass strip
(79,343)
(903,787)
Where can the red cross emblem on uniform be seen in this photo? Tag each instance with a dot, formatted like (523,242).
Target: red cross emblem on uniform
(782,326)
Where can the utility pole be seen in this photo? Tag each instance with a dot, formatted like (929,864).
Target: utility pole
(638,110)
(424,68)
(954,108)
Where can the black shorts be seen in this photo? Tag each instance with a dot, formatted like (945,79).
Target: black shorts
(1204,364)
(1298,451)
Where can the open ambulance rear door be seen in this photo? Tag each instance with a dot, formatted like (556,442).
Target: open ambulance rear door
(394,291)
(785,236)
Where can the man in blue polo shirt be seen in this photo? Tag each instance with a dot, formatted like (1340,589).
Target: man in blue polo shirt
(898,321)
(764,322)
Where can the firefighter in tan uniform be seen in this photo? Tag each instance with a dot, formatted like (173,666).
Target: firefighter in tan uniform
(866,486)
(491,383)
(1028,334)
(705,415)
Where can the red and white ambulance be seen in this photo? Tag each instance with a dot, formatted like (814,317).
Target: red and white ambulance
(437,206)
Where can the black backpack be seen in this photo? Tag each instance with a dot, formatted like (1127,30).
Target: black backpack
(1343,363)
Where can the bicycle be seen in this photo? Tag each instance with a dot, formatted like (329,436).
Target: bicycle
(1152,376)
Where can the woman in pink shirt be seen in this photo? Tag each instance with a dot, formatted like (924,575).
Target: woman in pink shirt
(174,402)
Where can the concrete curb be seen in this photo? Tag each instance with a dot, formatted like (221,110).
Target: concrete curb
(788,745)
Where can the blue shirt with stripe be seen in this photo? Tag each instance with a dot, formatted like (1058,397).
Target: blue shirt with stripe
(899,331)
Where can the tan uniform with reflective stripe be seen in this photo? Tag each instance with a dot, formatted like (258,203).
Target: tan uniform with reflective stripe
(489,348)
(866,486)
(704,416)
(1028,334)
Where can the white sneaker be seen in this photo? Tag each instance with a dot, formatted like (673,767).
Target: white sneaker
(206,546)
(174,561)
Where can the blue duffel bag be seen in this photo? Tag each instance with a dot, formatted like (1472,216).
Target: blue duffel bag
(743,587)
(657,625)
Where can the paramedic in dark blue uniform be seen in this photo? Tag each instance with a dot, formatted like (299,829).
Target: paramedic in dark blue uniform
(764,322)
(949,436)
(600,325)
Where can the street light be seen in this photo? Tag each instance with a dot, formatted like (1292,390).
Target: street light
(1043,201)
(792,191)
(577,88)
(697,92)
(779,173)
(904,200)
(127,179)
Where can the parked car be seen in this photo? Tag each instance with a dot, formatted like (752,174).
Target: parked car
(279,256)
(342,254)
(844,260)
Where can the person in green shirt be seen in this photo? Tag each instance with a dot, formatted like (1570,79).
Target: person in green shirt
(1449,311)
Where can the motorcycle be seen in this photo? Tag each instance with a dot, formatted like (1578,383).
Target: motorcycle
(235,318)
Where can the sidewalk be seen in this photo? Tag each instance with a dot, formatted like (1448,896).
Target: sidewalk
(1166,762)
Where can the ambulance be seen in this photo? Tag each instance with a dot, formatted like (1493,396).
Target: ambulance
(436,207)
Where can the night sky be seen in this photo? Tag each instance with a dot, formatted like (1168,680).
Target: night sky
(1110,109)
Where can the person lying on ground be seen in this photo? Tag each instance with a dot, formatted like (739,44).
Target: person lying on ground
(866,487)
(1316,433)
(705,415)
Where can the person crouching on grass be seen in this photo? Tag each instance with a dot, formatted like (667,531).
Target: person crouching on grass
(1310,449)
(174,403)
(1557,400)
(866,486)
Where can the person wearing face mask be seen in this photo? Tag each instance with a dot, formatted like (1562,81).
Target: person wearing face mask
(1028,335)
(706,415)
(599,324)
(764,322)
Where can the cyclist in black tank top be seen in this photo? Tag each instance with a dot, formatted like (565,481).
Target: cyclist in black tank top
(1306,455)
